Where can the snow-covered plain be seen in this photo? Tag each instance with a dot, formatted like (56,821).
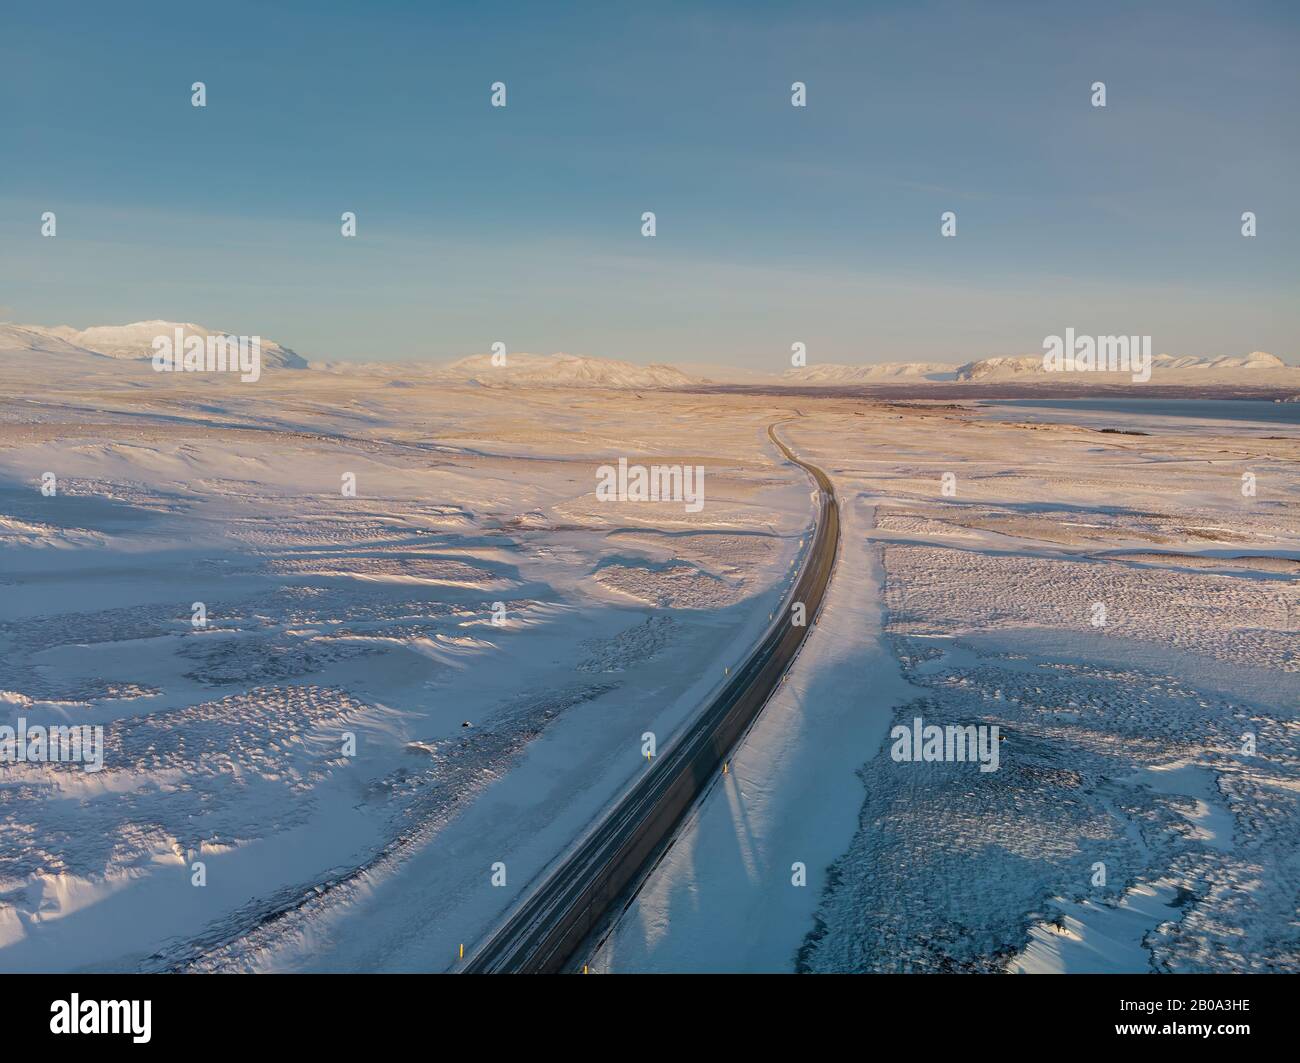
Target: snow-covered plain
(482,743)
(1123,743)
(328,614)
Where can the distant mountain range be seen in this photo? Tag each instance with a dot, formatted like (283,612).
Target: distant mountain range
(831,375)
(1001,368)
(563,370)
(994,369)
(134,343)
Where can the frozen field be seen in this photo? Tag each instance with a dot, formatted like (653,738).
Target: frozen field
(1122,743)
(452,668)
(481,735)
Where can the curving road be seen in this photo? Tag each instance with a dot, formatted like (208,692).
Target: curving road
(585,890)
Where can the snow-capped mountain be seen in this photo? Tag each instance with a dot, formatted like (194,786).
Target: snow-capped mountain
(136,341)
(1000,367)
(562,370)
(1254,360)
(829,375)
(133,342)
(1032,364)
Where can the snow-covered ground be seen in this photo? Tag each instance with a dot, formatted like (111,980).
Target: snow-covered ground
(1128,826)
(490,735)
(724,898)
(328,615)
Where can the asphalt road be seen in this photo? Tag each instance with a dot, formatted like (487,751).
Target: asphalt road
(550,931)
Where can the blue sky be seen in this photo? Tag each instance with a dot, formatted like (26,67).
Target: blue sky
(775,224)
